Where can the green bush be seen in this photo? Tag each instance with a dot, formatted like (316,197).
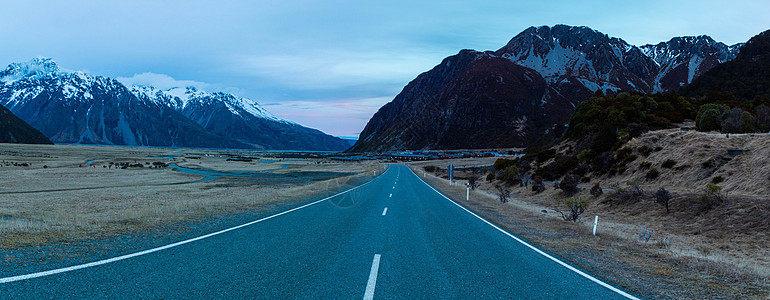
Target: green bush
(710,163)
(710,117)
(502,163)
(658,148)
(430,169)
(668,164)
(490,177)
(717,179)
(645,165)
(652,174)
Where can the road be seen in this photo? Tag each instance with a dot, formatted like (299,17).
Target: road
(394,237)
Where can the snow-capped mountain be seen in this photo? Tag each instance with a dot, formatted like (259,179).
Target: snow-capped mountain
(238,118)
(524,93)
(86,109)
(682,59)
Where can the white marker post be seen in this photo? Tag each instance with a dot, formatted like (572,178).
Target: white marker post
(596,221)
(468,191)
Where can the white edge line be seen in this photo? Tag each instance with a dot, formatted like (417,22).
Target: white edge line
(541,252)
(384,211)
(148,251)
(372,283)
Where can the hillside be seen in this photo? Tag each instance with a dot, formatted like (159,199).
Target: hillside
(15,130)
(523,94)
(747,78)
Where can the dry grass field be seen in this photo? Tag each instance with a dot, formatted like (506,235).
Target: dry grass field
(68,193)
(694,253)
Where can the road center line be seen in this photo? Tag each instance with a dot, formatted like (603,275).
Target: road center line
(148,251)
(385,211)
(391,195)
(369,294)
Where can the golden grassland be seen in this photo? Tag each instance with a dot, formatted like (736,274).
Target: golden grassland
(72,193)
(723,252)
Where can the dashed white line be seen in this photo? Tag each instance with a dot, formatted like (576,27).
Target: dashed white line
(391,195)
(369,294)
(385,211)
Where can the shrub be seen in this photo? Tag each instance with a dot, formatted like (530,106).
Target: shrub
(645,165)
(569,185)
(652,174)
(510,174)
(537,185)
(663,196)
(502,163)
(596,190)
(546,154)
(710,163)
(714,196)
(584,155)
(503,193)
(717,179)
(575,207)
(430,169)
(644,150)
(658,148)
(490,177)
(668,164)
(630,158)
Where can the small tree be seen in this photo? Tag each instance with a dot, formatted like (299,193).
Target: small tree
(663,196)
(714,195)
(575,207)
(503,193)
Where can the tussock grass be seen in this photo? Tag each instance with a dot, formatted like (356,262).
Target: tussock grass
(71,201)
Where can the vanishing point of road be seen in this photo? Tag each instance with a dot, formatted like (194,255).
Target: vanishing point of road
(394,237)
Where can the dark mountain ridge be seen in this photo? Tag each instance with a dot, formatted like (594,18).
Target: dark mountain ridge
(524,93)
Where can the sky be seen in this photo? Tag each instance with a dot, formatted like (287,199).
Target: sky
(325,64)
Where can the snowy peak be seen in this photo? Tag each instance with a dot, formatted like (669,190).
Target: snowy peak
(185,99)
(35,68)
(601,62)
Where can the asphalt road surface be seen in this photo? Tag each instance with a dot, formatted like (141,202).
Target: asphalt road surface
(394,237)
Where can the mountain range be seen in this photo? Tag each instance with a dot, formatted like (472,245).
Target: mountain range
(523,94)
(79,108)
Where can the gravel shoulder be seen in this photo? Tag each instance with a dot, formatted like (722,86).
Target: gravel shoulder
(655,270)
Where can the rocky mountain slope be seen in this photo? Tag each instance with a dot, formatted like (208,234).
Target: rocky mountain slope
(15,130)
(86,109)
(523,94)
(747,78)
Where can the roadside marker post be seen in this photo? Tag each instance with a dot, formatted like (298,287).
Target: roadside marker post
(451,170)
(596,221)
(468,191)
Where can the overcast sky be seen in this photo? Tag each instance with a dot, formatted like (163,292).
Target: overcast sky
(325,64)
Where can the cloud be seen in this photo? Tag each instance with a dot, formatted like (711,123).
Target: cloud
(328,70)
(349,115)
(161,81)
